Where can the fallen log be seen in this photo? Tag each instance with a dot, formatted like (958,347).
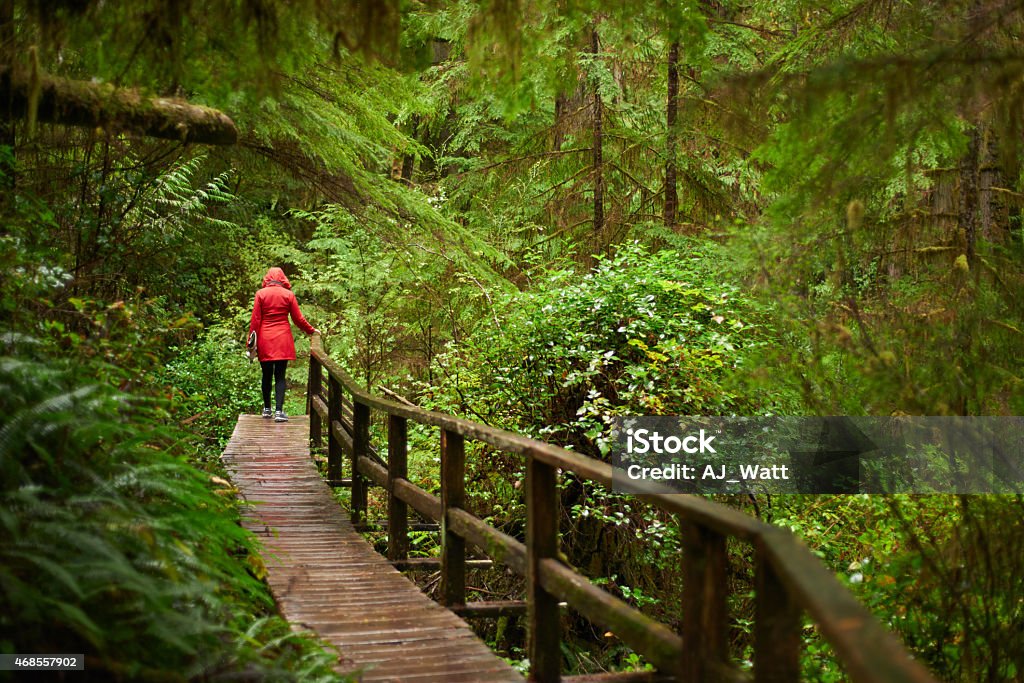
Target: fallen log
(85,103)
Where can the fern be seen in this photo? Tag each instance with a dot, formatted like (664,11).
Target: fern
(113,546)
(173,203)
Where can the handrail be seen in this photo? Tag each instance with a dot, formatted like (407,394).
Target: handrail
(789,580)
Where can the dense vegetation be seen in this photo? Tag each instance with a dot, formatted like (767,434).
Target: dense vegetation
(539,215)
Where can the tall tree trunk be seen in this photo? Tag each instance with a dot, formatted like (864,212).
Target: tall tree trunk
(993,217)
(408,166)
(7,52)
(559,132)
(598,161)
(969,172)
(965,394)
(409,160)
(671,137)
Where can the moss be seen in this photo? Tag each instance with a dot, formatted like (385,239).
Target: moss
(84,103)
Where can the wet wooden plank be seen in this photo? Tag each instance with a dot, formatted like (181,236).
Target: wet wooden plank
(325,577)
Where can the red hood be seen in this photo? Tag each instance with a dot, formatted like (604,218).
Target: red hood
(276,276)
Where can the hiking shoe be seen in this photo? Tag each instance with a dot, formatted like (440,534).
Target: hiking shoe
(279,416)
(267,414)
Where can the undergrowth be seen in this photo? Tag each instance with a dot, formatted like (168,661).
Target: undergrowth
(114,541)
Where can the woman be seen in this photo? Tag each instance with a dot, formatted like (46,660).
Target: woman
(274,343)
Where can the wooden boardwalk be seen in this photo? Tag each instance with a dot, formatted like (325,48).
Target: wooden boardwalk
(325,577)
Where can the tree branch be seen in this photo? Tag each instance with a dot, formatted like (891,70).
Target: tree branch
(83,103)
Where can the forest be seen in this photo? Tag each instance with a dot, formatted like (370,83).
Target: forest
(543,216)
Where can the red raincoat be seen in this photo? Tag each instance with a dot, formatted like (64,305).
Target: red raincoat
(270,318)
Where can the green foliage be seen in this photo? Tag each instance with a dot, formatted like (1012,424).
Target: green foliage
(216,48)
(897,267)
(376,295)
(515,160)
(642,333)
(215,383)
(113,546)
(933,568)
(174,203)
(122,225)
(111,543)
(865,156)
(876,323)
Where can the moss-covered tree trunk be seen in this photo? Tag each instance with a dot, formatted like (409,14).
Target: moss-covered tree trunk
(969,173)
(598,121)
(671,137)
(83,103)
(6,121)
(559,127)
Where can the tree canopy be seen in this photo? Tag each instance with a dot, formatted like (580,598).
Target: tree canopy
(539,214)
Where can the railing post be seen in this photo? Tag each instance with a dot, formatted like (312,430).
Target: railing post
(398,514)
(705,612)
(543,628)
(453,495)
(334,448)
(313,388)
(777,626)
(360,449)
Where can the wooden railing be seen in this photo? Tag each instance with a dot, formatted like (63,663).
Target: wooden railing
(789,580)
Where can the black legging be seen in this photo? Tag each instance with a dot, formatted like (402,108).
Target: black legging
(273,372)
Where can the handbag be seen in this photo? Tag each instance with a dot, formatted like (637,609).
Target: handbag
(250,347)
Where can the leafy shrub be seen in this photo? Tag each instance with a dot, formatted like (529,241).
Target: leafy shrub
(642,333)
(213,384)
